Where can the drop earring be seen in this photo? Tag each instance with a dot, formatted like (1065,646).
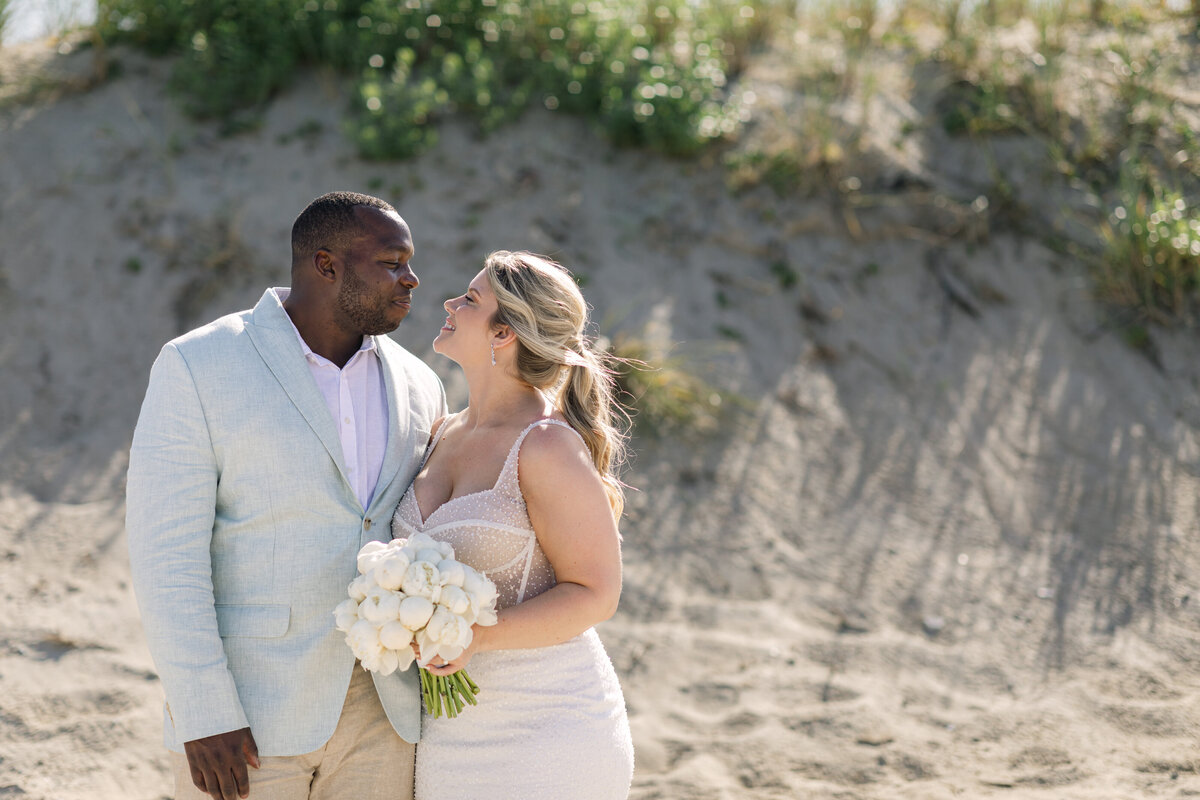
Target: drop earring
(493,354)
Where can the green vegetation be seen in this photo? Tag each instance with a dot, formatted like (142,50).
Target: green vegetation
(5,16)
(1120,135)
(784,273)
(784,171)
(665,389)
(1152,256)
(652,74)
(1094,94)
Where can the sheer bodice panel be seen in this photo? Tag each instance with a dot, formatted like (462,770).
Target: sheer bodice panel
(489,530)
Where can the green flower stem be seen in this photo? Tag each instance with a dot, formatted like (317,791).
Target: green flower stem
(445,698)
(447,694)
(462,682)
(426,689)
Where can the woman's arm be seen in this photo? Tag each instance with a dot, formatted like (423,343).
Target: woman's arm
(573,521)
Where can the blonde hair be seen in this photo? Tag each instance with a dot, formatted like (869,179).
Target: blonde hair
(540,301)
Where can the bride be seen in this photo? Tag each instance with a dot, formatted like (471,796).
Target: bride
(522,484)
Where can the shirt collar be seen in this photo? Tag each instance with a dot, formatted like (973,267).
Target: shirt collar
(368,342)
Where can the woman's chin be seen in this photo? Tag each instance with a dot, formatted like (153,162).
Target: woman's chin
(439,347)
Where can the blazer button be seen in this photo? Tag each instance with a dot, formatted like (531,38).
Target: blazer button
(367,524)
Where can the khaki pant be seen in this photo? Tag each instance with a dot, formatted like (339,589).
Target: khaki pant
(363,760)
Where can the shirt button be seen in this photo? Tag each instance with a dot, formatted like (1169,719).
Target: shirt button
(367,524)
(347,420)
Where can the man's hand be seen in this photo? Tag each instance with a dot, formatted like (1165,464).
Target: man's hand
(218,763)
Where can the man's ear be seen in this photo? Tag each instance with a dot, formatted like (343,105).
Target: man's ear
(325,264)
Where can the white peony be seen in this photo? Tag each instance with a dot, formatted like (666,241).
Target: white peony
(404,657)
(415,612)
(359,587)
(369,555)
(452,572)
(430,554)
(446,635)
(394,636)
(418,542)
(363,638)
(389,570)
(475,584)
(455,600)
(385,662)
(421,579)
(449,628)
(483,596)
(485,615)
(346,614)
(380,606)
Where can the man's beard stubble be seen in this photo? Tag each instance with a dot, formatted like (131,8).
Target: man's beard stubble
(356,310)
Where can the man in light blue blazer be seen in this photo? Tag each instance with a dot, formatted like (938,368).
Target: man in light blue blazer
(272,444)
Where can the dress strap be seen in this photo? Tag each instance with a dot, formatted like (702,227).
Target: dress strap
(437,437)
(508,481)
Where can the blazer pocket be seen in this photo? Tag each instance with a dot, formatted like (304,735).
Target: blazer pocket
(261,621)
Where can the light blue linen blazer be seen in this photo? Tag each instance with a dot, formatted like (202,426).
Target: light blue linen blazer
(244,530)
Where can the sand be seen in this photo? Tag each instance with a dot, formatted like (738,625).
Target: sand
(941,542)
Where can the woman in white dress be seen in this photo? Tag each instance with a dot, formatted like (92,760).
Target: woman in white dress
(522,484)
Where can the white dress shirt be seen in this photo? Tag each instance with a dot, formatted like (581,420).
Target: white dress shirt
(357,400)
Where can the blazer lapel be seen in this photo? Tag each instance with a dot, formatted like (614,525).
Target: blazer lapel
(275,339)
(399,444)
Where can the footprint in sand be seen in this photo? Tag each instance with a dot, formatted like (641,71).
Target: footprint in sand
(713,696)
(1044,766)
(1165,720)
(93,719)
(740,723)
(44,646)
(1136,685)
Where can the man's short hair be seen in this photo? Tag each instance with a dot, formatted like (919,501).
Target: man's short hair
(329,222)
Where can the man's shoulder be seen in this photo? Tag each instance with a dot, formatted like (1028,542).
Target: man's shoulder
(217,333)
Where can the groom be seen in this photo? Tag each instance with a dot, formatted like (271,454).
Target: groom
(272,444)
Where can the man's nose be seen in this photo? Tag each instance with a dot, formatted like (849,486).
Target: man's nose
(409,278)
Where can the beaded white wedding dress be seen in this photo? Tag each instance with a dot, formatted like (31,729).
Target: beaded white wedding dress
(551,721)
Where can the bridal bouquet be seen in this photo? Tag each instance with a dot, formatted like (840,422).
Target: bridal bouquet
(412,590)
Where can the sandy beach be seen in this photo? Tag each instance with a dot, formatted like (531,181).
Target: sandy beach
(939,540)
